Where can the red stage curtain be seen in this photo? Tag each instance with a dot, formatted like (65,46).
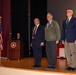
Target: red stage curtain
(5,13)
(0,7)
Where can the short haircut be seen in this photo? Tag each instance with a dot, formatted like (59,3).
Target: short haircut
(49,13)
(70,9)
(37,18)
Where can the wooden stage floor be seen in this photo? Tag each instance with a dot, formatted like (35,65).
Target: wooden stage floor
(27,63)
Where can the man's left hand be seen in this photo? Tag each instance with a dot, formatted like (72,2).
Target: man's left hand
(42,44)
(57,42)
(75,42)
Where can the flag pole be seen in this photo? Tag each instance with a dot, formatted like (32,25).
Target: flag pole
(0,50)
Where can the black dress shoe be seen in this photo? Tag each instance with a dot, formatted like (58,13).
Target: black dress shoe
(53,67)
(68,68)
(36,66)
(50,67)
(73,69)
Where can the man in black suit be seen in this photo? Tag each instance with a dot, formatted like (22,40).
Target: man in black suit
(69,39)
(37,42)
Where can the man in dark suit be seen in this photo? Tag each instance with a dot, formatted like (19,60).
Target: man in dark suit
(37,42)
(69,39)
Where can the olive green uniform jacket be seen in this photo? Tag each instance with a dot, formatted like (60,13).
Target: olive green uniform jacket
(52,32)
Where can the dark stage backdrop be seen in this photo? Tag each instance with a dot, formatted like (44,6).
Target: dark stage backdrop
(23,13)
(59,7)
(15,18)
(38,9)
(19,22)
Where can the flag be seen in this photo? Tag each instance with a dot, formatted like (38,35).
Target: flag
(1,39)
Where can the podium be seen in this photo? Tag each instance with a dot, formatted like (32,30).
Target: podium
(15,49)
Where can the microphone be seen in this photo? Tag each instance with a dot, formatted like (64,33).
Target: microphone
(10,36)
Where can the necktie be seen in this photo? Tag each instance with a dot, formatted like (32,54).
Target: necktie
(34,31)
(67,21)
(48,24)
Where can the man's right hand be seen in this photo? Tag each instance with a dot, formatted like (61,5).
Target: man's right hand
(63,42)
(31,45)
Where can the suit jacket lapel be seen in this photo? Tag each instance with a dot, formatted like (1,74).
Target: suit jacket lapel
(71,20)
(37,29)
(50,25)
